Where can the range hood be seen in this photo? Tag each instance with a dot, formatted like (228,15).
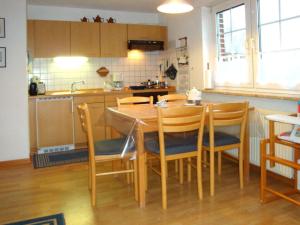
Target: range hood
(146,45)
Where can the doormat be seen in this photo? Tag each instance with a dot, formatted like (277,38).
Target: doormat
(57,219)
(59,158)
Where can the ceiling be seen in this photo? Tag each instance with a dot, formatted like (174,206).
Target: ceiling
(121,5)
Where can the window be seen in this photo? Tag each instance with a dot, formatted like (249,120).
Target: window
(232,64)
(279,44)
(262,51)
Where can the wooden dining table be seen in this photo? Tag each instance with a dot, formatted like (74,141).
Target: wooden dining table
(146,118)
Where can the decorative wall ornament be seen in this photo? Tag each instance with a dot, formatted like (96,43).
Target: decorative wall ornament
(2,28)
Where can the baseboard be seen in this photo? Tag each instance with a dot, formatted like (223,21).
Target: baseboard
(255,168)
(12,163)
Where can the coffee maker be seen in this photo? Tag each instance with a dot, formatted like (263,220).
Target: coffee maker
(117,81)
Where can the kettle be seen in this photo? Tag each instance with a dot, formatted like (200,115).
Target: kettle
(33,88)
(193,94)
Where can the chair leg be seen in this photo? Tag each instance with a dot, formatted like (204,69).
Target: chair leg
(163,184)
(176,166)
(127,174)
(90,175)
(212,173)
(146,171)
(219,163)
(167,172)
(189,169)
(241,167)
(181,171)
(204,158)
(199,176)
(93,176)
(135,175)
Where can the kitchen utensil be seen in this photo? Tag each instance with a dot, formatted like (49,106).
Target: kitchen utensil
(103,71)
(41,88)
(171,72)
(33,90)
(111,20)
(137,87)
(98,19)
(194,96)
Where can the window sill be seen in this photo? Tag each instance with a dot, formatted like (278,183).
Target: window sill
(280,96)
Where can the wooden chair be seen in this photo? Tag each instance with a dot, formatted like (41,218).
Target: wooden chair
(222,115)
(172,97)
(167,148)
(135,100)
(103,151)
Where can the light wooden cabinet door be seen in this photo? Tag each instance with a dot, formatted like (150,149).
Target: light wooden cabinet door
(96,106)
(113,40)
(30,37)
(32,125)
(85,39)
(147,32)
(51,38)
(97,112)
(54,122)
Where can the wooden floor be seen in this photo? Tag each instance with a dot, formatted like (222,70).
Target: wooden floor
(26,193)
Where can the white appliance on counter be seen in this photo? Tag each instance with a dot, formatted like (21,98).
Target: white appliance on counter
(117,80)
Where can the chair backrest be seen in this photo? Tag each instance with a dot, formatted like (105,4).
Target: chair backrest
(172,97)
(228,114)
(86,125)
(134,100)
(181,119)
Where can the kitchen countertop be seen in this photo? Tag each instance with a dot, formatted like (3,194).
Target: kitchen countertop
(100,91)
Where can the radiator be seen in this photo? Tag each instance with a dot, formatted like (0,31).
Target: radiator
(259,126)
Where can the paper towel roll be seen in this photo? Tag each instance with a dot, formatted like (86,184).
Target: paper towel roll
(208,80)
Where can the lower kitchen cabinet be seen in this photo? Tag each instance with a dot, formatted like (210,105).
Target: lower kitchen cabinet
(54,121)
(97,111)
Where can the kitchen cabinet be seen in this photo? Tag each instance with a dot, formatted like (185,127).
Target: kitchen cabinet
(54,117)
(32,125)
(97,111)
(51,38)
(147,32)
(85,39)
(30,37)
(113,40)
(111,101)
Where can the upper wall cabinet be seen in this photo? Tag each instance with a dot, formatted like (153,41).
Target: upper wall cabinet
(30,37)
(51,38)
(113,40)
(85,39)
(147,32)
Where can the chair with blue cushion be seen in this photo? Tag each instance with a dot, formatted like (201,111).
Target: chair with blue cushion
(104,151)
(224,115)
(169,147)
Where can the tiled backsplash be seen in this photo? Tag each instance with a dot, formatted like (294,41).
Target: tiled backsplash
(135,69)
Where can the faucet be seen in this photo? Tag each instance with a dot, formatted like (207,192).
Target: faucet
(73,85)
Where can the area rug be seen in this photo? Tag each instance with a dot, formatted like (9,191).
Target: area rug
(57,219)
(59,158)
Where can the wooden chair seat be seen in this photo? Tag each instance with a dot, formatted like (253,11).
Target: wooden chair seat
(221,139)
(110,147)
(173,144)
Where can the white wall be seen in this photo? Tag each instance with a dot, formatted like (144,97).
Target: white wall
(14,138)
(189,25)
(74,14)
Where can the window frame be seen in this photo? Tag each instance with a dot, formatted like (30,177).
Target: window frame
(226,6)
(253,49)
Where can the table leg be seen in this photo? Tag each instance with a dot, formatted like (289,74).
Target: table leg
(141,166)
